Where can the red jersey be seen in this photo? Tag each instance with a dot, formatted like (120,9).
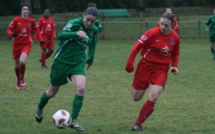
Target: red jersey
(161,48)
(157,47)
(23,28)
(175,25)
(47,26)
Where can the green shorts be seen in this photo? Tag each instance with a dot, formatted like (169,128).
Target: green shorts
(212,37)
(60,72)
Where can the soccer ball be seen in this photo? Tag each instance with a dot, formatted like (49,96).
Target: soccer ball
(61,119)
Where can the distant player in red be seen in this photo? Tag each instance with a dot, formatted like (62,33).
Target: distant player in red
(48,32)
(21,29)
(175,25)
(162,53)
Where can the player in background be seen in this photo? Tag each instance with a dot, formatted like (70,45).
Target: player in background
(163,50)
(21,29)
(210,26)
(70,61)
(175,25)
(48,31)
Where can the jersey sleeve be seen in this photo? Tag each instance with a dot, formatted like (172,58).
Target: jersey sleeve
(11,27)
(91,50)
(69,32)
(176,53)
(208,23)
(36,31)
(175,25)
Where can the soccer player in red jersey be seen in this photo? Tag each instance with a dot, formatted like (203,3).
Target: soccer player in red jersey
(175,25)
(48,32)
(163,50)
(21,29)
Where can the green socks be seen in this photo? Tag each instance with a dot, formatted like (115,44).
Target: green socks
(76,106)
(43,101)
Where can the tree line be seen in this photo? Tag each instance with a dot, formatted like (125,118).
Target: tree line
(12,7)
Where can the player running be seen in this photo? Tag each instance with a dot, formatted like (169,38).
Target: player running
(48,32)
(21,29)
(70,60)
(210,26)
(163,50)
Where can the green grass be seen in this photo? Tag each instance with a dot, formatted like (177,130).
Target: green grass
(185,107)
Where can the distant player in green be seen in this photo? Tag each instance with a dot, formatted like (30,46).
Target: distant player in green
(78,36)
(210,26)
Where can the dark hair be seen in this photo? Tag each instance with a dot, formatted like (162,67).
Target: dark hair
(25,5)
(91,5)
(91,11)
(169,16)
(45,9)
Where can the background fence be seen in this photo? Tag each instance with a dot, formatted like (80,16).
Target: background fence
(132,29)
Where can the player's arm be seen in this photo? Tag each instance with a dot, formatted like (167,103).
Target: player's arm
(91,50)
(98,25)
(175,58)
(53,28)
(69,32)
(175,25)
(135,49)
(37,32)
(10,30)
(207,24)
(39,25)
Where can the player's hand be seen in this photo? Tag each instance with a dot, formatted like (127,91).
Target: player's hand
(81,34)
(129,68)
(88,66)
(14,34)
(42,42)
(174,70)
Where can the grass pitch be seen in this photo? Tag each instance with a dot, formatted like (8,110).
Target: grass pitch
(185,107)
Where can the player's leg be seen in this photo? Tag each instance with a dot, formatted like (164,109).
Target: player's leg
(16,56)
(51,92)
(17,71)
(43,57)
(148,107)
(50,49)
(22,66)
(79,82)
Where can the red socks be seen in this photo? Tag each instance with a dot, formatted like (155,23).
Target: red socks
(48,54)
(43,58)
(17,71)
(145,112)
(22,71)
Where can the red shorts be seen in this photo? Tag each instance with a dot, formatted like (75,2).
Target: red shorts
(21,48)
(49,42)
(150,73)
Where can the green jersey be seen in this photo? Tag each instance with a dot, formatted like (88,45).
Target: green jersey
(211,24)
(72,48)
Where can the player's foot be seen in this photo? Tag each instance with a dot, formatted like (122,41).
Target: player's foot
(44,66)
(22,83)
(39,116)
(74,124)
(18,85)
(137,128)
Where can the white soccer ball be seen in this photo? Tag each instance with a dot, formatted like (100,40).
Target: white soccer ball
(61,119)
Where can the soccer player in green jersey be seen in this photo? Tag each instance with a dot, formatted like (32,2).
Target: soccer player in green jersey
(70,60)
(210,26)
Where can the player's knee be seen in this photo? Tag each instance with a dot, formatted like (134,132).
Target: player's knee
(80,90)
(153,97)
